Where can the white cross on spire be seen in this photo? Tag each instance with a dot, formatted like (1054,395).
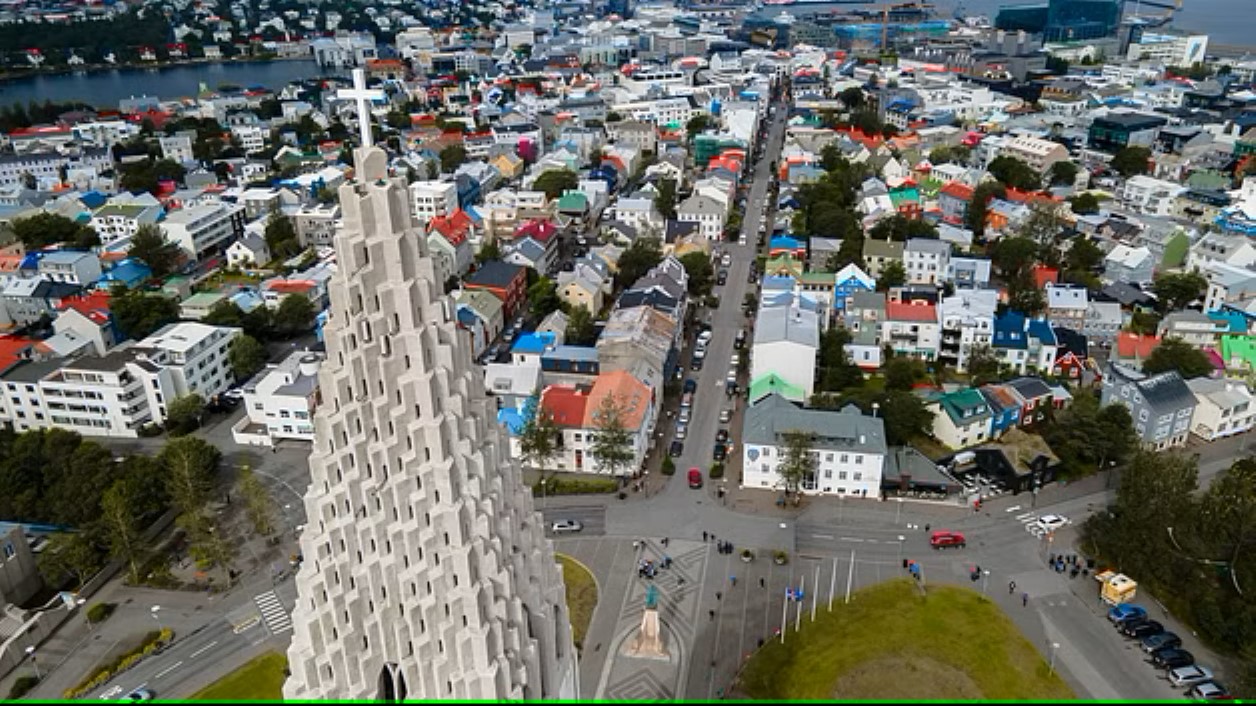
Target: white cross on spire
(363,96)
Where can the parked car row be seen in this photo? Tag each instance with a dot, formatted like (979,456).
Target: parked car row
(1164,651)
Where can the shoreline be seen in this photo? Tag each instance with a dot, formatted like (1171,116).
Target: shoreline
(11,78)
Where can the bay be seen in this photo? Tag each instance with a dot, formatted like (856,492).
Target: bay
(104,88)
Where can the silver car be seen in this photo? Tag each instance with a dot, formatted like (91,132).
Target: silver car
(566,526)
(1189,676)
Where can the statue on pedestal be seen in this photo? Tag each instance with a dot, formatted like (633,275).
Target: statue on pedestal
(649,640)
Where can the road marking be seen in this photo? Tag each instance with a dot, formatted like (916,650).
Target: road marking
(822,536)
(1013,508)
(246,625)
(258,642)
(273,612)
(1027,515)
(169,669)
(850,539)
(206,647)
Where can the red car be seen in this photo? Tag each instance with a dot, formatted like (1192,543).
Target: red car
(695,478)
(942,539)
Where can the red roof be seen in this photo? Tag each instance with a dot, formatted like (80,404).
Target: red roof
(960,191)
(12,348)
(566,404)
(902,311)
(1018,196)
(539,229)
(1044,274)
(290,286)
(94,306)
(453,227)
(1133,345)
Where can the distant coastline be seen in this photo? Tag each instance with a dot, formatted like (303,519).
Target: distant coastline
(59,70)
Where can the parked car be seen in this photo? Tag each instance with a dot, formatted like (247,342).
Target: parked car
(726,416)
(678,448)
(740,341)
(721,436)
(140,695)
(566,526)
(704,338)
(695,478)
(1161,641)
(681,430)
(1172,658)
(726,260)
(696,364)
(721,279)
(1189,676)
(691,385)
(720,452)
(1140,629)
(686,401)
(684,416)
(234,393)
(945,538)
(1209,691)
(1126,611)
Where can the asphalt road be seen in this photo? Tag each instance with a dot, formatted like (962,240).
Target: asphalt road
(592,517)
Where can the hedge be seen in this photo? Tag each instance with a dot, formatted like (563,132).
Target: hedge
(575,485)
(152,642)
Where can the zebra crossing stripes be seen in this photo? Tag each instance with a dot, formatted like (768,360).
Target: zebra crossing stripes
(1030,520)
(273,613)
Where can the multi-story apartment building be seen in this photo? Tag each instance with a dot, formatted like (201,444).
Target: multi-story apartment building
(279,402)
(1161,405)
(205,230)
(430,199)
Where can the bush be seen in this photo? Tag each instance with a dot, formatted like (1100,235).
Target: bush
(99,612)
(669,466)
(717,470)
(21,685)
(575,485)
(780,556)
(152,641)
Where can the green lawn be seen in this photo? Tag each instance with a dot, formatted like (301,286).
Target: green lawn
(891,642)
(581,596)
(261,679)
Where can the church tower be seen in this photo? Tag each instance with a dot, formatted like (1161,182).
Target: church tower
(426,573)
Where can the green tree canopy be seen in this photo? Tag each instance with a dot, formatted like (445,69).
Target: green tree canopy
(247,356)
(150,246)
(1177,354)
(580,327)
(900,228)
(637,260)
(538,439)
(183,414)
(556,182)
(1132,161)
(852,98)
(1084,203)
(138,313)
(893,274)
(452,157)
(697,125)
(543,298)
(977,210)
(294,316)
(1015,257)
(612,445)
(1175,291)
(905,415)
(1062,173)
(701,273)
(1015,174)
(281,236)
(44,229)
(665,199)
(901,373)
(798,465)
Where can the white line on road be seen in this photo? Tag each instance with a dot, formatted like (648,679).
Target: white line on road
(169,669)
(822,536)
(258,642)
(850,539)
(1025,515)
(1013,508)
(206,647)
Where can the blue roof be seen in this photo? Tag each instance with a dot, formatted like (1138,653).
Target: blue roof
(784,241)
(1235,321)
(533,343)
(588,353)
(778,282)
(93,199)
(248,300)
(512,418)
(1009,330)
(129,270)
(1041,330)
(31,261)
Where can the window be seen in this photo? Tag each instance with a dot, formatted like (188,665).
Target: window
(841,475)
(859,459)
(845,458)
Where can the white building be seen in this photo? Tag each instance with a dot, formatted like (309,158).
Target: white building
(1152,196)
(1129,265)
(786,339)
(279,402)
(967,321)
(249,251)
(1223,408)
(576,410)
(1169,48)
(707,212)
(204,230)
(430,199)
(81,268)
(848,447)
(1037,153)
(926,260)
(426,572)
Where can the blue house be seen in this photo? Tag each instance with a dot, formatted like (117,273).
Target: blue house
(848,280)
(1005,409)
(579,360)
(129,272)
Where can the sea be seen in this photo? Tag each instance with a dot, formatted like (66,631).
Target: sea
(104,88)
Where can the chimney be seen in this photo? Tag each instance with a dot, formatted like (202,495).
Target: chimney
(862,439)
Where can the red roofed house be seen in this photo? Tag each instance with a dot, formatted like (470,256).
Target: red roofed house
(15,348)
(953,200)
(578,411)
(1133,348)
(88,316)
(449,240)
(276,289)
(507,282)
(1044,274)
(912,328)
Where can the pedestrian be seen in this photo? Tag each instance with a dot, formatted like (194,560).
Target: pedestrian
(665,541)
(704,536)
(732,580)
(711,613)
(762,584)
(718,595)
(926,528)
(680,580)
(1011,587)
(1024,599)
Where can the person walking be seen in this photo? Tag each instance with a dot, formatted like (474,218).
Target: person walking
(1024,599)
(712,614)
(704,536)
(1011,587)
(762,583)
(732,580)
(718,595)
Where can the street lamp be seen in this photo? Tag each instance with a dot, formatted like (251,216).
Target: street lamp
(899,511)
(875,407)
(901,539)
(985,581)
(1054,646)
(155,612)
(30,652)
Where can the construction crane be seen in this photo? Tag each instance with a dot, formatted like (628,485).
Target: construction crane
(885,18)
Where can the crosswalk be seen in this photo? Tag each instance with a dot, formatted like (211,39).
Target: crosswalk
(1030,521)
(273,612)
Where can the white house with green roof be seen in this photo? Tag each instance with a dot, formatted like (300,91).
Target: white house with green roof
(961,418)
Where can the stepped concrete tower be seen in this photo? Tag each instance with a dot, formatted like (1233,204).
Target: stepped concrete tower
(426,573)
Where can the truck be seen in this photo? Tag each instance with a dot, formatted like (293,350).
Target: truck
(1115,589)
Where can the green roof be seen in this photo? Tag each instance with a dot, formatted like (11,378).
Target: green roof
(1209,180)
(573,201)
(203,299)
(900,196)
(1238,351)
(765,385)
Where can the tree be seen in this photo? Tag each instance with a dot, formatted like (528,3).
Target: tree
(798,463)
(893,274)
(295,315)
(1175,291)
(1083,255)
(70,553)
(190,463)
(1177,354)
(184,413)
(44,229)
(1132,161)
(150,246)
(246,356)
(612,445)
(580,329)
(905,415)
(1043,226)
(978,208)
(556,182)
(637,260)
(1062,173)
(901,373)
(982,364)
(281,236)
(121,527)
(701,273)
(138,314)
(836,372)
(1014,173)
(489,251)
(538,438)
(953,154)
(665,199)
(1230,508)
(543,298)
(1084,203)
(452,157)
(257,502)
(1015,257)
(1025,297)
(852,98)
(900,228)
(697,125)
